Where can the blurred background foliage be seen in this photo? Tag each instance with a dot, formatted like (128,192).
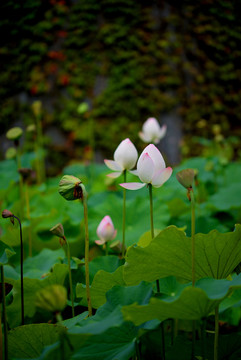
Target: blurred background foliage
(101,68)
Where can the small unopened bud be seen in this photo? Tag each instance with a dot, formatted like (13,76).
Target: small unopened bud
(25,173)
(71,188)
(186,177)
(52,298)
(6,214)
(58,230)
(14,134)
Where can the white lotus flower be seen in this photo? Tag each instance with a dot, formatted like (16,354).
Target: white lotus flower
(105,231)
(152,132)
(151,169)
(125,157)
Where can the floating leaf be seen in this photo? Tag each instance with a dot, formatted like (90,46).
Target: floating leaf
(169,254)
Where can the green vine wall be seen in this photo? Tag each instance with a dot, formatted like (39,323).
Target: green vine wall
(128,60)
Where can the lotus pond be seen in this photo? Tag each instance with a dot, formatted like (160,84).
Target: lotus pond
(153,297)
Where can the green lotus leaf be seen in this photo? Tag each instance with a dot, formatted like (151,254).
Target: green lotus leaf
(184,301)
(5,253)
(31,287)
(28,341)
(169,254)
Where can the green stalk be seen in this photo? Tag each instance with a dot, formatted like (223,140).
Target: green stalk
(21,264)
(87,276)
(190,192)
(203,339)
(193,234)
(216,333)
(70,279)
(40,157)
(124,217)
(152,226)
(1,340)
(157,281)
(4,316)
(28,217)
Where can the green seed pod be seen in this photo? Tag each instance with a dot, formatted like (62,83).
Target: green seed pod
(14,134)
(71,188)
(186,177)
(58,230)
(52,298)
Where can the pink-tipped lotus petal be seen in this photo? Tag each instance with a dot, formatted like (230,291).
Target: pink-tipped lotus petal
(144,137)
(114,175)
(100,242)
(113,165)
(146,168)
(132,185)
(162,131)
(161,177)
(156,156)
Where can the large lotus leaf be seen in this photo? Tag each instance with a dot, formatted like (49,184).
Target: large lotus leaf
(103,281)
(107,263)
(184,302)
(114,343)
(5,253)
(226,198)
(28,341)
(169,254)
(31,286)
(37,266)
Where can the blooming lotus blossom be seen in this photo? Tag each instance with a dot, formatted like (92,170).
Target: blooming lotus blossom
(105,231)
(151,169)
(152,131)
(125,157)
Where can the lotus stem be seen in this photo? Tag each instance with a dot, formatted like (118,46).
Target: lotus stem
(70,279)
(4,316)
(152,226)
(124,217)
(87,276)
(30,251)
(21,268)
(193,234)
(216,333)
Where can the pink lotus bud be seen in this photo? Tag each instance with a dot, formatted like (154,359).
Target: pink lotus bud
(152,131)
(105,230)
(151,169)
(125,157)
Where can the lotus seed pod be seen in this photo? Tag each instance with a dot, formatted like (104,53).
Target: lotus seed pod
(31,128)
(52,298)
(71,188)
(186,177)
(14,134)
(58,230)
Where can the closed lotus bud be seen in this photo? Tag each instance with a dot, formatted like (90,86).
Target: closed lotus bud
(186,177)
(11,153)
(6,214)
(105,231)
(52,298)
(37,107)
(14,134)
(71,188)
